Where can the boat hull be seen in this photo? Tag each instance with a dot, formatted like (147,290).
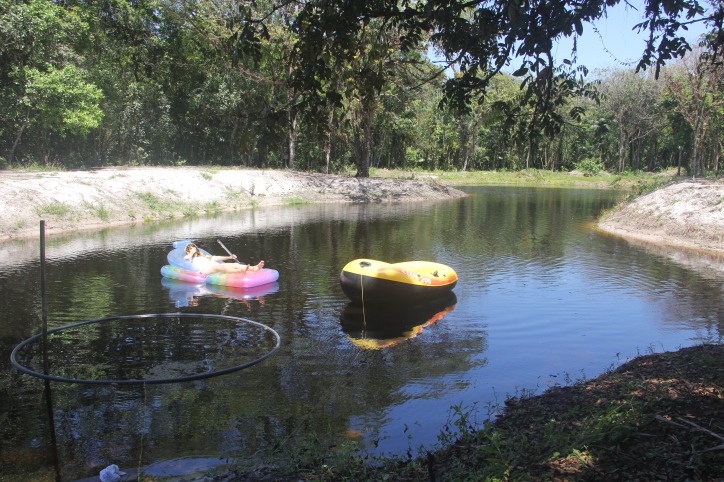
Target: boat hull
(371,281)
(249,279)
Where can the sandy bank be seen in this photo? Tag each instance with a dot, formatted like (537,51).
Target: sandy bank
(74,200)
(688,214)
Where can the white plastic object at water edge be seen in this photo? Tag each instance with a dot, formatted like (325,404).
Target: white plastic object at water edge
(111,474)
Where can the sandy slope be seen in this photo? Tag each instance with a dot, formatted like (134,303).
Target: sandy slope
(687,214)
(73,200)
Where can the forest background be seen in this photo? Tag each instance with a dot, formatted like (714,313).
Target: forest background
(329,85)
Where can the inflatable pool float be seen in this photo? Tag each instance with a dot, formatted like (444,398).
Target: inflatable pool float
(181,269)
(376,327)
(370,281)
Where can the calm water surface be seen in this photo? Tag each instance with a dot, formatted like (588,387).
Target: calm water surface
(543,299)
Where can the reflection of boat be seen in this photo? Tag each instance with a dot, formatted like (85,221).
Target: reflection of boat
(184,294)
(243,293)
(370,281)
(376,327)
(187,294)
(181,269)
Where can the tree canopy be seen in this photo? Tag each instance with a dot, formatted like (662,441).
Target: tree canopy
(327,84)
(481,37)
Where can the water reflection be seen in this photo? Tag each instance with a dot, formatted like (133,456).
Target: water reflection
(188,294)
(154,348)
(377,327)
(540,293)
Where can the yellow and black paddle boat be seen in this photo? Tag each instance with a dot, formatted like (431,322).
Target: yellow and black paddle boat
(370,281)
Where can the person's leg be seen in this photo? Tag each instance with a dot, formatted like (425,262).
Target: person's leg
(257,267)
(224,268)
(232,268)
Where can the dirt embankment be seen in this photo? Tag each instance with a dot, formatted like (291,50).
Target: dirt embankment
(687,214)
(73,200)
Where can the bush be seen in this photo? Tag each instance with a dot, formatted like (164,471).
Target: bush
(590,166)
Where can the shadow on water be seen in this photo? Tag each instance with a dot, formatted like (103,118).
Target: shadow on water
(377,327)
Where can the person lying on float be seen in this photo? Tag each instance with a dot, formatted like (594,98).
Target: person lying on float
(208,264)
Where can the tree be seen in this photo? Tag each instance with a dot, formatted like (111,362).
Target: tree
(59,100)
(481,37)
(358,63)
(38,44)
(633,102)
(695,83)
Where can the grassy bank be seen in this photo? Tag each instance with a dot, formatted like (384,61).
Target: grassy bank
(636,183)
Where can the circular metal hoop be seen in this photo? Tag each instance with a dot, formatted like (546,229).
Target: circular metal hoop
(22,368)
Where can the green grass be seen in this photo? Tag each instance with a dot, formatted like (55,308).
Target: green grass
(295,201)
(102,213)
(36,167)
(212,207)
(56,209)
(157,204)
(634,181)
(17,225)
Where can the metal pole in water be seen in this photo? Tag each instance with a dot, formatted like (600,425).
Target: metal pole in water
(46,365)
(43,305)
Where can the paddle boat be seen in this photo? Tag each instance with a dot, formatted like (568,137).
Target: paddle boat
(371,281)
(378,327)
(179,268)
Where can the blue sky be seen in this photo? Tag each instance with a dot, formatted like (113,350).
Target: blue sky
(616,44)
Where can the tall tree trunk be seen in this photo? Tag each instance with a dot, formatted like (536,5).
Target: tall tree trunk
(233,138)
(11,156)
(623,141)
(700,129)
(292,119)
(328,143)
(365,133)
(292,137)
(363,162)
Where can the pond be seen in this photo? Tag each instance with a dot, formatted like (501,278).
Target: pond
(543,299)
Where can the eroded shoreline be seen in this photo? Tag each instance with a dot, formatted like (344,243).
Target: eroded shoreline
(80,200)
(687,214)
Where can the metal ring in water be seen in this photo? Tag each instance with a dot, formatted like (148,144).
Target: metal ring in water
(16,350)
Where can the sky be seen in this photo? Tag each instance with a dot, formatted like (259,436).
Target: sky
(617,46)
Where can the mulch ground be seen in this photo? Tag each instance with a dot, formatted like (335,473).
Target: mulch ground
(658,417)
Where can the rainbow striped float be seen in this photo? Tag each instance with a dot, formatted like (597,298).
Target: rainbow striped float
(181,269)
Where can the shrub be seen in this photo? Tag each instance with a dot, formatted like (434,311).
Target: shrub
(590,166)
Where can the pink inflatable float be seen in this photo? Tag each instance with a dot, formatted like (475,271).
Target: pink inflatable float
(181,269)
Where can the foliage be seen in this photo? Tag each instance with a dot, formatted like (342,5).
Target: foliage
(590,166)
(63,100)
(325,85)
